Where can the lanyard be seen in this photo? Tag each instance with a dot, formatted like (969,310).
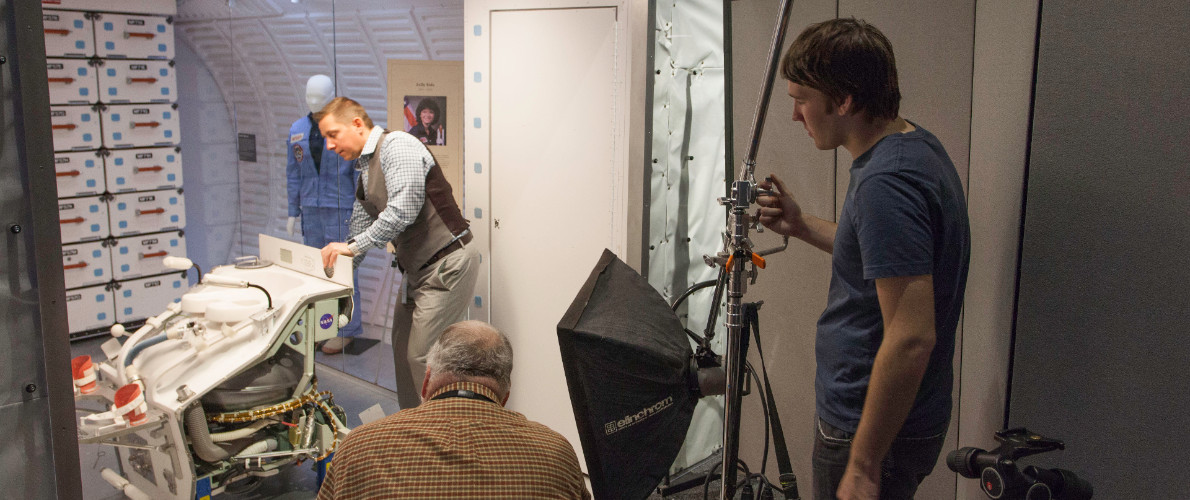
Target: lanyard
(462,393)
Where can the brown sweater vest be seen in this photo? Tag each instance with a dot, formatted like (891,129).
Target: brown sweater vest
(437,224)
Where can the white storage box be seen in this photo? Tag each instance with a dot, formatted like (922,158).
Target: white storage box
(147,212)
(143,169)
(74,128)
(134,37)
(86,264)
(72,81)
(83,219)
(79,174)
(134,125)
(138,81)
(89,308)
(137,256)
(67,34)
(141,298)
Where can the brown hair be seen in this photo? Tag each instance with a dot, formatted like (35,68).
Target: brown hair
(344,110)
(846,57)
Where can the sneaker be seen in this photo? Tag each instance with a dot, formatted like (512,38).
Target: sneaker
(336,345)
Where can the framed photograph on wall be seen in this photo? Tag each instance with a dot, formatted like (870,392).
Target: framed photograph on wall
(425,99)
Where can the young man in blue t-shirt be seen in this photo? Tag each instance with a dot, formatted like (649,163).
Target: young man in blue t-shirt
(900,253)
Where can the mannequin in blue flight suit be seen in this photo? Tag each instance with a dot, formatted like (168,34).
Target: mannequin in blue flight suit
(321,189)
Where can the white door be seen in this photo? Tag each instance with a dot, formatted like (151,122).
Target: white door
(556,185)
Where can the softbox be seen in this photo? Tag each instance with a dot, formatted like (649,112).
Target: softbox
(626,357)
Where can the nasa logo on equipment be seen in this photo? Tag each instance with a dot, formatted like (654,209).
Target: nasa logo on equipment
(325,321)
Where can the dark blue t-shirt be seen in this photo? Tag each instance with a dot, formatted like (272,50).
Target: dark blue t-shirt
(905,214)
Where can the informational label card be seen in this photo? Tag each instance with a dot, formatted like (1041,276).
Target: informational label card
(425,99)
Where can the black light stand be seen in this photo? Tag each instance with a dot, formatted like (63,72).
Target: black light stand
(735,257)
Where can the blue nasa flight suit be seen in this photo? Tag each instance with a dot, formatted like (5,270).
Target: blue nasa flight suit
(322,194)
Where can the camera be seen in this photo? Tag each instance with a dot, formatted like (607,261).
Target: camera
(1000,478)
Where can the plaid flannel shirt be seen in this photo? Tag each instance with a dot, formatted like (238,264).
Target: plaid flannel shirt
(454,448)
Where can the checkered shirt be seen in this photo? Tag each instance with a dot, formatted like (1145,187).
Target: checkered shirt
(454,448)
(405,162)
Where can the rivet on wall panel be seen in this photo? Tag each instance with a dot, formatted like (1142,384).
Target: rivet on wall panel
(478,123)
(478,168)
(478,30)
(478,77)
(478,213)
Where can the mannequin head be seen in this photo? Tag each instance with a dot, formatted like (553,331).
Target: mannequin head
(319,91)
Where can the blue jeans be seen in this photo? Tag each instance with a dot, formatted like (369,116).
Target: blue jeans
(908,462)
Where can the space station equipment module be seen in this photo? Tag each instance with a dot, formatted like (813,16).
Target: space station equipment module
(220,387)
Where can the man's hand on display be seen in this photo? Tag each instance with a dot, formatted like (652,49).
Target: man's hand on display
(293,225)
(858,484)
(332,251)
(779,212)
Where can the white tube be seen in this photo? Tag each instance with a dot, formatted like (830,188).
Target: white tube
(131,373)
(151,324)
(177,263)
(118,482)
(216,279)
(240,433)
(262,446)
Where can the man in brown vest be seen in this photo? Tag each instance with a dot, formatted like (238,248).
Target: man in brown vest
(403,198)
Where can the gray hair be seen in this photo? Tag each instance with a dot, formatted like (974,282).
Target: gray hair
(473,349)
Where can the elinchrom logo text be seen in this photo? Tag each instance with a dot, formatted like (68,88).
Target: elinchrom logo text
(623,423)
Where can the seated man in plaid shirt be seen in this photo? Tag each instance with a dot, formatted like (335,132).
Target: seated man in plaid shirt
(460,442)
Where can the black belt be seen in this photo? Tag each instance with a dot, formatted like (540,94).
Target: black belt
(446,250)
(462,393)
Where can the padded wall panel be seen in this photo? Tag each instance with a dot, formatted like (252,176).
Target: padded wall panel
(83,219)
(67,34)
(140,298)
(79,174)
(143,169)
(72,81)
(138,125)
(147,212)
(163,7)
(85,264)
(89,308)
(119,36)
(137,81)
(75,128)
(687,175)
(143,255)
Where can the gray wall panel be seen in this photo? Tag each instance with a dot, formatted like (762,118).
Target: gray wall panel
(795,282)
(36,401)
(1103,310)
(1001,87)
(25,453)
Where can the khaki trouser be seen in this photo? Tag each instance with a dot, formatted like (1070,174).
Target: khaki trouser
(435,298)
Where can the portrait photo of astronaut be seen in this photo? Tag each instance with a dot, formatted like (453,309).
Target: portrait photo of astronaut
(425,118)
